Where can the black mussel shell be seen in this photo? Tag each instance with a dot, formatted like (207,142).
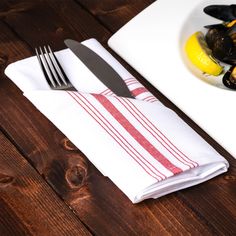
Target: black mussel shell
(231,59)
(222,12)
(220,43)
(229,80)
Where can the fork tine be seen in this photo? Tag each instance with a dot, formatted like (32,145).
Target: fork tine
(52,69)
(52,66)
(58,67)
(45,67)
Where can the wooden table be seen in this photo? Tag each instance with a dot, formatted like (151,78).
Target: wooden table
(47,186)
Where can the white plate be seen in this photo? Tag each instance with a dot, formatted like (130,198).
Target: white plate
(152,42)
(196,22)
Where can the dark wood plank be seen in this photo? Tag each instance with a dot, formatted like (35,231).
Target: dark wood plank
(96,201)
(28,206)
(110,12)
(50,22)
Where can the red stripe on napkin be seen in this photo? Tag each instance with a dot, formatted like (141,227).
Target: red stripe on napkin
(137,135)
(131,81)
(116,135)
(156,133)
(150,98)
(139,91)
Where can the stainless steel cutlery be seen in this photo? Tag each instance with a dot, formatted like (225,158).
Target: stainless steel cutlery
(57,79)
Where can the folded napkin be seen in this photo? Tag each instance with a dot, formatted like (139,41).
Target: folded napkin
(141,145)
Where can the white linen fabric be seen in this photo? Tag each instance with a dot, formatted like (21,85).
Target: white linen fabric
(141,145)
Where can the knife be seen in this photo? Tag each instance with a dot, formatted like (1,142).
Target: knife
(100,68)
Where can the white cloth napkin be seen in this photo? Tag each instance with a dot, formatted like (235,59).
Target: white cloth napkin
(140,144)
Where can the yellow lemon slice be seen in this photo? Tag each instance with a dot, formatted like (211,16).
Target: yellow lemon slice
(200,54)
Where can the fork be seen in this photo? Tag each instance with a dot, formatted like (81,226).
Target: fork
(52,70)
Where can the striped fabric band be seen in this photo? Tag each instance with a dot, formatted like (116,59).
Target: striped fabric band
(156,164)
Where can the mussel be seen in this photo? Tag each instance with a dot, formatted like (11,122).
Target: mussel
(229,78)
(221,39)
(222,12)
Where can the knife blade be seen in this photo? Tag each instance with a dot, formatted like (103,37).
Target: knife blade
(100,68)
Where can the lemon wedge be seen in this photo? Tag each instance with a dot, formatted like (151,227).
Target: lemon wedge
(200,54)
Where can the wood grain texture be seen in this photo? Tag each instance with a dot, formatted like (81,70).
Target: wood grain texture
(28,206)
(114,13)
(94,199)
